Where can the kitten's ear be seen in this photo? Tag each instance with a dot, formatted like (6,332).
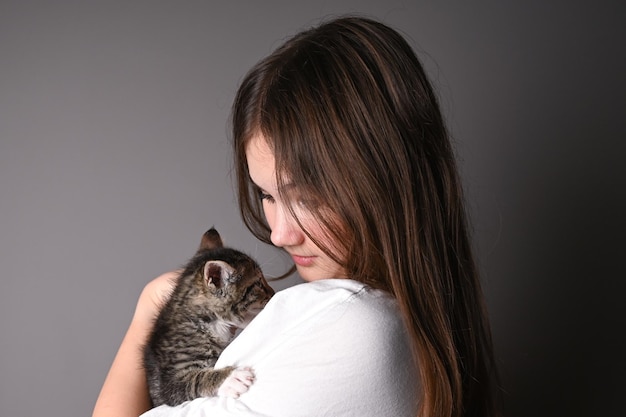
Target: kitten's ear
(210,240)
(216,273)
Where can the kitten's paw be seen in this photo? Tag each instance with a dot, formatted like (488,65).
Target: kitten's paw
(237,383)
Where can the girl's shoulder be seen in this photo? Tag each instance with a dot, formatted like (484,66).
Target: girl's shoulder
(326,293)
(344,303)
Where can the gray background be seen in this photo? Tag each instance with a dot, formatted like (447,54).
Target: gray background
(114,158)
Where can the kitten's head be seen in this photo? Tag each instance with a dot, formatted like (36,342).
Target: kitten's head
(231,283)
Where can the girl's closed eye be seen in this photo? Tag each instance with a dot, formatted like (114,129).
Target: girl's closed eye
(263,196)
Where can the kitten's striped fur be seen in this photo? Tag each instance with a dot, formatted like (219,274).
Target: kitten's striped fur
(219,290)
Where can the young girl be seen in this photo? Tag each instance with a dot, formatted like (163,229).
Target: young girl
(343,160)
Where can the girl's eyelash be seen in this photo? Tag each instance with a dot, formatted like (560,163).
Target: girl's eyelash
(265,196)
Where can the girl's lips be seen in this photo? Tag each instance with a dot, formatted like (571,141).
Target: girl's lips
(303,260)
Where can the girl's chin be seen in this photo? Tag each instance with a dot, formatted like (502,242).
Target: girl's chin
(310,274)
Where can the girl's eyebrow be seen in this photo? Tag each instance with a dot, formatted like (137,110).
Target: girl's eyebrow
(252,181)
(286,187)
(256,187)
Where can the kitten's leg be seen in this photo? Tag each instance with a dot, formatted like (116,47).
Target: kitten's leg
(191,384)
(236,383)
(228,382)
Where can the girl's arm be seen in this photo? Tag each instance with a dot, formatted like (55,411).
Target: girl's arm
(125,392)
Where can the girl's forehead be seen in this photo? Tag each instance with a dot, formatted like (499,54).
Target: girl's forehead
(262,167)
(261,163)
(258,148)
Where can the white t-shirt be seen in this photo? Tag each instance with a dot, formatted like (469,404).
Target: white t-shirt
(326,348)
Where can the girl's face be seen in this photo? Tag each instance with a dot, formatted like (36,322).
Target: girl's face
(312,263)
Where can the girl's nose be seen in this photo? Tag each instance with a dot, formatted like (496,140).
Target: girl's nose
(285,230)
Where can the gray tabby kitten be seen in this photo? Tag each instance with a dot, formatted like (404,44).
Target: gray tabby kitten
(219,291)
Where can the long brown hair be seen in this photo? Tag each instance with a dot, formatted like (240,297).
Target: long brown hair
(352,119)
